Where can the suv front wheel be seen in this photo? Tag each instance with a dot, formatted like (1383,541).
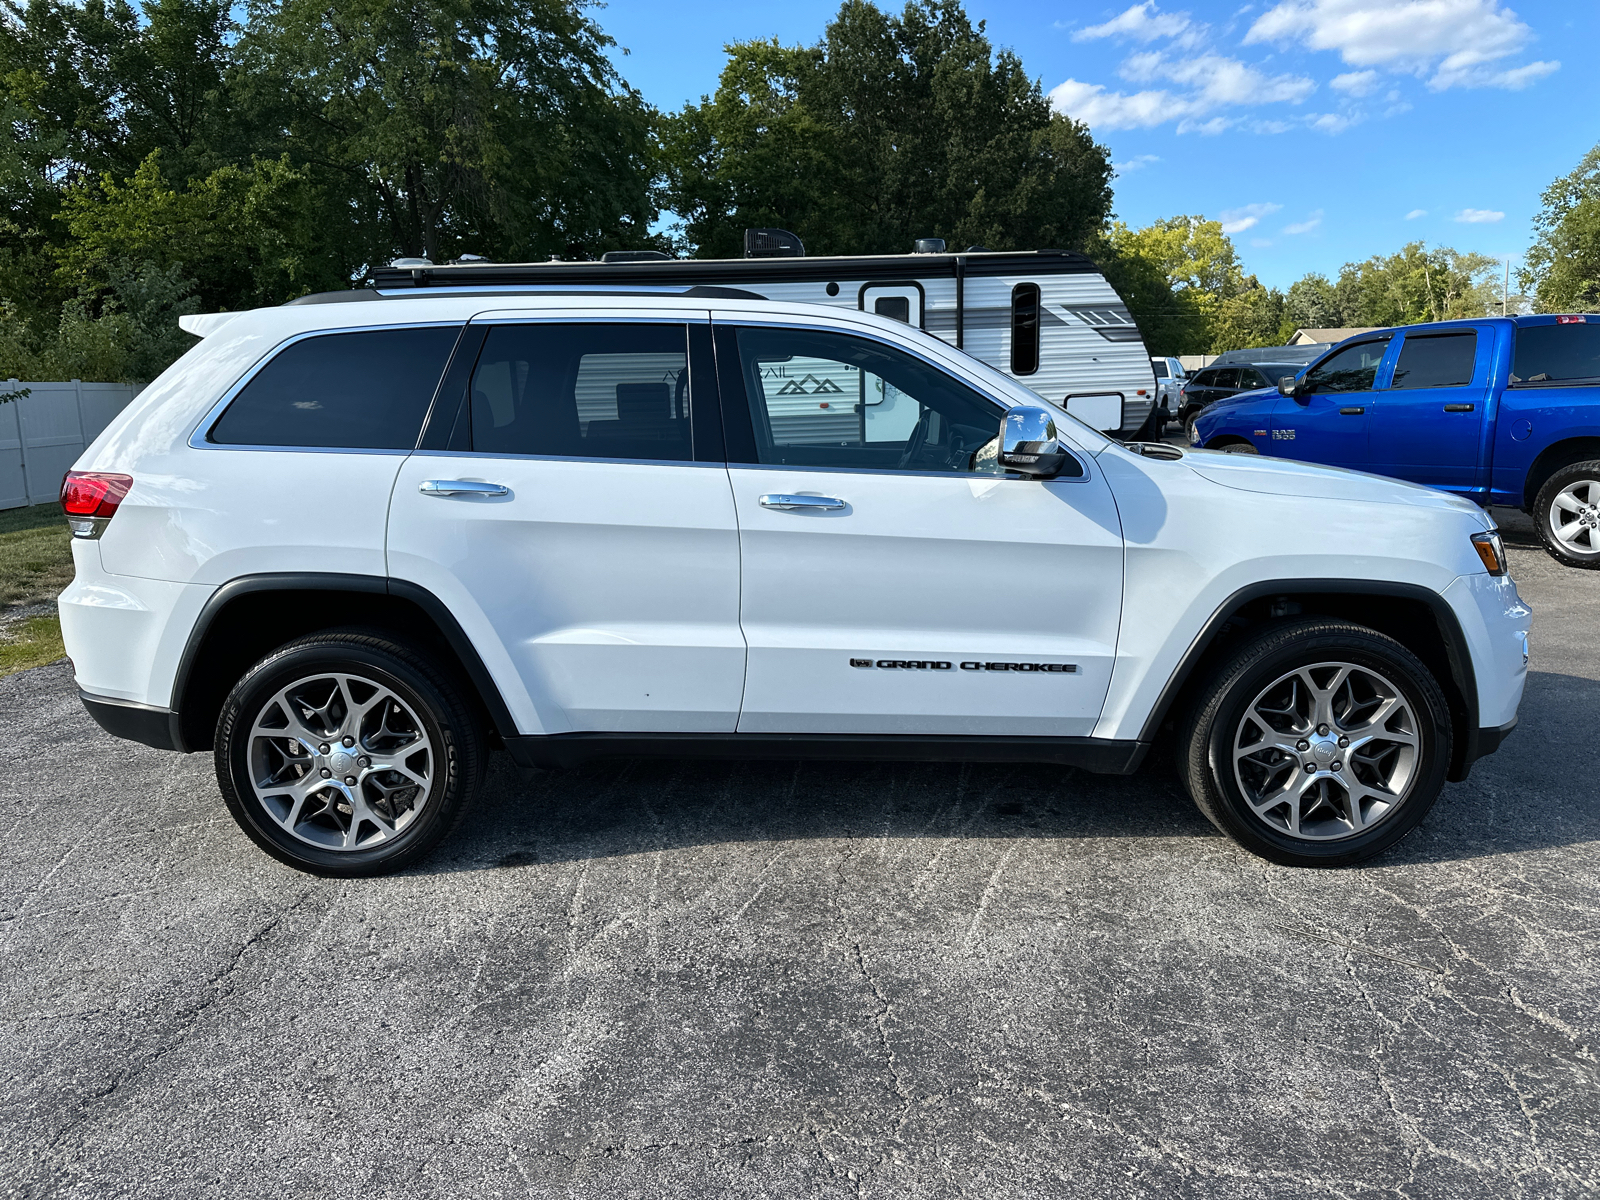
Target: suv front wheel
(1319,743)
(346,754)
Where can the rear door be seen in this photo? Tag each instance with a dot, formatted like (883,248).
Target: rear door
(571,507)
(1330,420)
(1428,424)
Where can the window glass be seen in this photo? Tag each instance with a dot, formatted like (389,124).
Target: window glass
(1546,353)
(1438,360)
(583,391)
(830,400)
(1159,367)
(1204,379)
(1227,378)
(1349,370)
(897,308)
(361,391)
(1025,329)
(1249,377)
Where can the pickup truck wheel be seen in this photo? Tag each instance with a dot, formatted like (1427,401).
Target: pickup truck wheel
(346,754)
(1567,512)
(1319,743)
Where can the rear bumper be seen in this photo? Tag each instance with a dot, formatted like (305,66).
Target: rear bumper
(144,723)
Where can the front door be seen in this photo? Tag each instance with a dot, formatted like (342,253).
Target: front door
(888,586)
(1328,422)
(576,519)
(1427,426)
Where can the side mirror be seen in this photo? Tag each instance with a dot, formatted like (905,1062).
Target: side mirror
(1029,444)
(1286,387)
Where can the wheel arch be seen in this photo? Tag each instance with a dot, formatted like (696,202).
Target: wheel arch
(1418,617)
(1551,459)
(249,616)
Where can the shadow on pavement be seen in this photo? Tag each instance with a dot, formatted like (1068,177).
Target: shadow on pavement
(1522,798)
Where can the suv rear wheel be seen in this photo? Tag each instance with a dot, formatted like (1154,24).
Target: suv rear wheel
(346,754)
(1567,512)
(1320,743)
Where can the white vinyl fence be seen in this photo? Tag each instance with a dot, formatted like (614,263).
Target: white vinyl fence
(42,433)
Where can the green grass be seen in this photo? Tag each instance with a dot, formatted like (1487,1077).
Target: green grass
(35,554)
(30,643)
(35,564)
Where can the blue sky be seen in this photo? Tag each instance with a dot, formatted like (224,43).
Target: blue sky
(1319,131)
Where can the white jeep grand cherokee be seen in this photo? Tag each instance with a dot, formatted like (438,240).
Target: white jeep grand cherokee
(350,544)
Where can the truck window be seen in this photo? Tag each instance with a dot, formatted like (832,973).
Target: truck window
(1349,370)
(1557,353)
(1160,368)
(1436,360)
(358,391)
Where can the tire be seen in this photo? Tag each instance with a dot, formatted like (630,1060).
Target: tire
(1240,753)
(1239,448)
(322,806)
(1567,514)
(1188,430)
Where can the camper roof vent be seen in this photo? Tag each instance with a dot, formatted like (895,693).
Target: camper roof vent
(411,262)
(929,246)
(627,256)
(772,243)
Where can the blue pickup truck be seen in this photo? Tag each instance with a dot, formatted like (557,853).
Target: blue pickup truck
(1504,410)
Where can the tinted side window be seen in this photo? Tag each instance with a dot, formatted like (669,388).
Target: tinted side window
(1228,378)
(1205,379)
(1249,377)
(1159,367)
(359,391)
(1439,360)
(830,400)
(1349,370)
(1549,352)
(583,391)
(1025,329)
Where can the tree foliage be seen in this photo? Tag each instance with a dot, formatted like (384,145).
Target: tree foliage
(888,129)
(1562,268)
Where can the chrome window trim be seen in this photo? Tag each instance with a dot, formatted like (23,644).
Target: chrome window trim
(202,430)
(503,457)
(871,335)
(1007,477)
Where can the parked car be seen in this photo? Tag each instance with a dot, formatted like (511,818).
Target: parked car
(1211,384)
(348,545)
(1170,378)
(1502,410)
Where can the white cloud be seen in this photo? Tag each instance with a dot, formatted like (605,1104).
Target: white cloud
(1478,216)
(1209,82)
(1332,122)
(1415,213)
(1355,83)
(1137,163)
(1237,220)
(1456,40)
(1261,243)
(1314,221)
(1146,23)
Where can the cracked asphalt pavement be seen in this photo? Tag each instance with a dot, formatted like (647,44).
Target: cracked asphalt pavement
(680,979)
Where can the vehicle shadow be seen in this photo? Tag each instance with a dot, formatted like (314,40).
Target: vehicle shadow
(1519,799)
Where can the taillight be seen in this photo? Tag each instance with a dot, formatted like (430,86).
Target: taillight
(90,499)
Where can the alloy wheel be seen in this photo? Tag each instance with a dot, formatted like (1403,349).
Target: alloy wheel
(1574,517)
(1327,751)
(340,761)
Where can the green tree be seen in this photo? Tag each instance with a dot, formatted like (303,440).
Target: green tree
(888,129)
(1251,316)
(1562,268)
(1417,284)
(1175,275)
(492,126)
(1311,303)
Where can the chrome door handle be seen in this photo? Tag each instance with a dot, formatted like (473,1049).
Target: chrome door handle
(461,487)
(789,503)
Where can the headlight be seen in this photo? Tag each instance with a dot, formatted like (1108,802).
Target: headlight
(1492,550)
